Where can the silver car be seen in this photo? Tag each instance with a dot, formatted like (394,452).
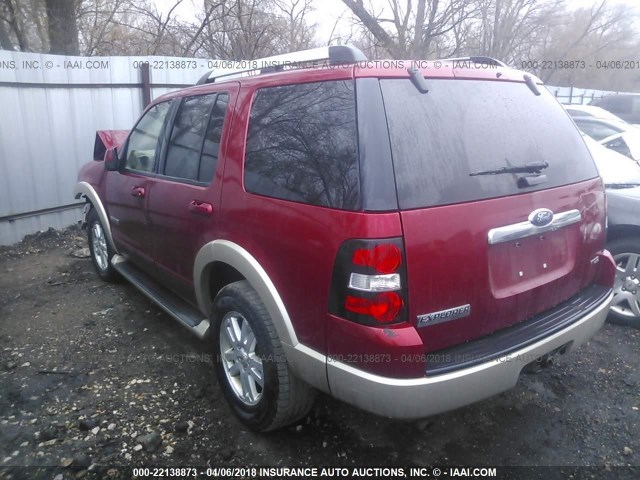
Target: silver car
(621,177)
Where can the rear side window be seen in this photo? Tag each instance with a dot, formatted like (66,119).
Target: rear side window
(302,144)
(212,139)
(463,127)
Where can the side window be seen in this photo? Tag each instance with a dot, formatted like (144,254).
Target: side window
(302,144)
(578,113)
(211,147)
(596,130)
(187,135)
(141,148)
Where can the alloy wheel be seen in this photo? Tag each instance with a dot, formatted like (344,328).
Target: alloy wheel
(241,364)
(626,299)
(99,246)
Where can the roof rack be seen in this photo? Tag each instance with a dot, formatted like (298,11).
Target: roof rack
(477,59)
(334,54)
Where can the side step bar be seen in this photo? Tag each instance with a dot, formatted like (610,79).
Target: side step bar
(183,312)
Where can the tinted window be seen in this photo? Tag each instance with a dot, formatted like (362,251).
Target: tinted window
(578,113)
(187,135)
(302,144)
(141,148)
(617,104)
(212,139)
(596,130)
(460,127)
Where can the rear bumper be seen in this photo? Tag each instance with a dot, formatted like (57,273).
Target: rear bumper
(421,397)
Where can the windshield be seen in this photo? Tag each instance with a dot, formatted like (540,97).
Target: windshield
(614,168)
(460,127)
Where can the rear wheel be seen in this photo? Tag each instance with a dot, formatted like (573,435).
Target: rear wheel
(101,251)
(625,308)
(250,363)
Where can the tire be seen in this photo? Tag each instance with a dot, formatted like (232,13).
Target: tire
(101,251)
(625,308)
(246,352)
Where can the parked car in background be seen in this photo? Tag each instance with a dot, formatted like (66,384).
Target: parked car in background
(621,177)
(591,111)
(625,106)
(405,240)
(619,136)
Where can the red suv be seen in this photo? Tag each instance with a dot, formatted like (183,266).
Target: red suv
(406,238)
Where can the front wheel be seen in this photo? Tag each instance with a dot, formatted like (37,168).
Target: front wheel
(101,252)
(625,308)
(251,367)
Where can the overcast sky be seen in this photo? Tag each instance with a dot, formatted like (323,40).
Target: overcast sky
(327,12)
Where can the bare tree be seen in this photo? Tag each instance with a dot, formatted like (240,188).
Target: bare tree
(590,38)
(15,24)
(5,40)
(414,29)
(248,29)
(95,19)
(298,32)
(509,29)
(62,26)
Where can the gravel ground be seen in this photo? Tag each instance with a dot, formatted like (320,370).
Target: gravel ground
(94,375)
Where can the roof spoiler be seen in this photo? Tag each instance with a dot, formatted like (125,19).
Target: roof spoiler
(334,54)
(106,139)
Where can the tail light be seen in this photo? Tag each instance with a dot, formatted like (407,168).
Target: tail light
(369,283)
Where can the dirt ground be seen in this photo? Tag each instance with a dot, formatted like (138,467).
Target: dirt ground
(93,375)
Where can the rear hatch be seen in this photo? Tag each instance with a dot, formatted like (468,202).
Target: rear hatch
(474,263)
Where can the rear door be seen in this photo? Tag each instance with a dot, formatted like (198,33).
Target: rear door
(128,190)
(469,242)
(184,206)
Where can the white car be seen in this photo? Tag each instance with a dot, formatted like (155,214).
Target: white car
(612,132)
(591,111)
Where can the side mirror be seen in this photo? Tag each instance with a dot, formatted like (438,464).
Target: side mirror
(111,159)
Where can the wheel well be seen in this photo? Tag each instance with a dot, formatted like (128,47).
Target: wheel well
(220,275)
(620,231)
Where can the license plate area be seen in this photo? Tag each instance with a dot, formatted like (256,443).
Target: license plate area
(527,263)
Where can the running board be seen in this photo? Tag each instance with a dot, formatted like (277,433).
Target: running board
(187,315)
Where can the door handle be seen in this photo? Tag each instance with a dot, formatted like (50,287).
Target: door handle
(138,192)
(201,208)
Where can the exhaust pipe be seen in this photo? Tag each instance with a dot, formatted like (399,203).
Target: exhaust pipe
(544,361)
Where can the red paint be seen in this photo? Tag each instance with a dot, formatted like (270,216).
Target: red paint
(448,260)
(112,138)
(393,351)
(450,266)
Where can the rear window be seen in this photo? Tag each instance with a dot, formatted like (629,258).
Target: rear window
(467,126)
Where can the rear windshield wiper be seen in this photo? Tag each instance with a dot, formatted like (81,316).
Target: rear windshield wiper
(526,168)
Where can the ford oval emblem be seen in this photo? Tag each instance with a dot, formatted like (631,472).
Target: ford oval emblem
(541,217)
